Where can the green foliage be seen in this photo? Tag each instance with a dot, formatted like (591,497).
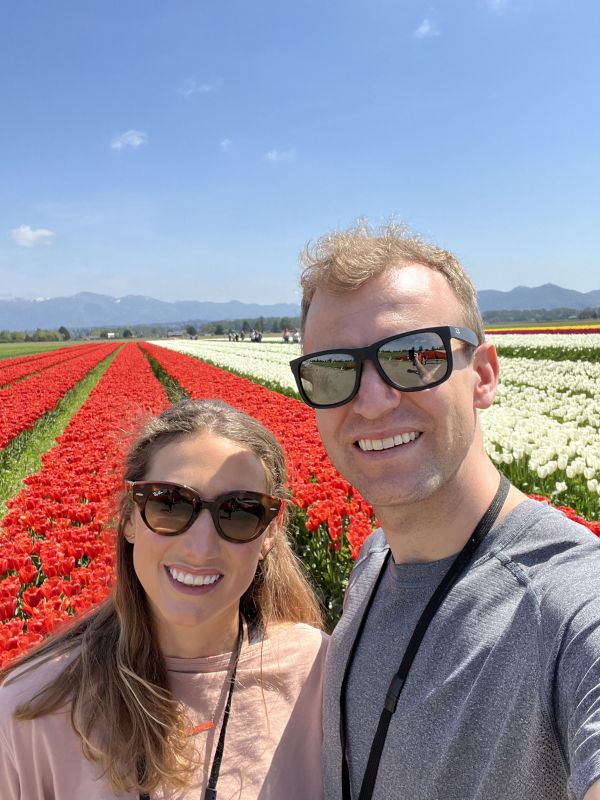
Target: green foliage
(64,333)
(191,330)
(327,563)
(19,349)
(576,495)
(175,391)
(530,315)
(127,333)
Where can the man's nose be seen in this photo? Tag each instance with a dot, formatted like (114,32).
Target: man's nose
(375,397)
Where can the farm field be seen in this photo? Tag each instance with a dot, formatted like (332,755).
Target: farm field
(56,539)
(19,349)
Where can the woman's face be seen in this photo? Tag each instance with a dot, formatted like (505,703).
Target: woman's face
(194,621)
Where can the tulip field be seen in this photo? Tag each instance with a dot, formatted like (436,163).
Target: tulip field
(57,532)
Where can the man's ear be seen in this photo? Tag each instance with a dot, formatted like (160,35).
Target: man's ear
(487,370)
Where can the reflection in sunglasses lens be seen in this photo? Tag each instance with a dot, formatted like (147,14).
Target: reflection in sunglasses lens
(168,511)
(414,361)
(240,519)
(329,378)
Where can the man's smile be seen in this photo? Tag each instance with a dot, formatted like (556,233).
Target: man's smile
(387,443)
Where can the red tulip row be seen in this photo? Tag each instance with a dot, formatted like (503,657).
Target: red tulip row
(56,553)
(12,369)
(315,483)
(24,402)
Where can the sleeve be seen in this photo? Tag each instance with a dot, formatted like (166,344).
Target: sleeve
(571,627)
(10,785)
(373,543)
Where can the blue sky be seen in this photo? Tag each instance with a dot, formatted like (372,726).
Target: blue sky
(188,150)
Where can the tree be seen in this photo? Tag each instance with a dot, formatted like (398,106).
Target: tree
(219,329)
(64,333)
(246,326)
(191,330)
(127,334)
(276,326)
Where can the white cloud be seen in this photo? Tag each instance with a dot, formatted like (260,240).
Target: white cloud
(275,156)
(130,138)
(426,29)
(191,86)
(26,236)
(225,145)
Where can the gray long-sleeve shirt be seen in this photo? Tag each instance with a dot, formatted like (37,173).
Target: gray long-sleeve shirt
(503,698)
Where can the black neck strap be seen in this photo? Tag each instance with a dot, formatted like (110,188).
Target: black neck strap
(211,789)
(399,679)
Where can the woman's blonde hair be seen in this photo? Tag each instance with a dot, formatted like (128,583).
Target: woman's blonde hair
(116,681)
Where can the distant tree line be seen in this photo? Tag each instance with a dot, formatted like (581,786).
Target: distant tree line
(40,335)
(194,328)
(539,314)
(262,324)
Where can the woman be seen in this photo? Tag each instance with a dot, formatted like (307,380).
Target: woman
(201,673)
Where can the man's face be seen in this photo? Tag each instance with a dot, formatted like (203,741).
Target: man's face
(440,422)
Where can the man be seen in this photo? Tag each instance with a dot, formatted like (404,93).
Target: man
(498,697)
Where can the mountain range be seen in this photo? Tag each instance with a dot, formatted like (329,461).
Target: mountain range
(89,310)
(547,296)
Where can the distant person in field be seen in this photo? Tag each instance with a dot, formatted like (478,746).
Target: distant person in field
(202,672)
(466,665)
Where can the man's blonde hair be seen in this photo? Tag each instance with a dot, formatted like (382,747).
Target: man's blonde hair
(342,261)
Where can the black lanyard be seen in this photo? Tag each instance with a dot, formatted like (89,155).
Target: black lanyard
(210,792)
(399,679)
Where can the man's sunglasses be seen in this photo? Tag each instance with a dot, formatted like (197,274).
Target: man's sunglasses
(171,508)
(410,362)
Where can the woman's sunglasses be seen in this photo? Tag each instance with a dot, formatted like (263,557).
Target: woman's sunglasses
(171,508)
(410,362)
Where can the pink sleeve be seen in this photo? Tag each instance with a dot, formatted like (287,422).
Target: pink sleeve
(10,785)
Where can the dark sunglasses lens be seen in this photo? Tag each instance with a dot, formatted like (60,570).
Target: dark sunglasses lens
(168,509)
(242,519)
(329,378)
(414,361)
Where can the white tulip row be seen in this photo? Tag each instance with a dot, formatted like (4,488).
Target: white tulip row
(541,341)
(546,412)
(266,361)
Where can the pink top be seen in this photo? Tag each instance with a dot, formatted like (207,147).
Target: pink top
(273,742)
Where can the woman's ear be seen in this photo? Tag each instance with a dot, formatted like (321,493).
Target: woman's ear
(272,532)
(486,368)
(128,531)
